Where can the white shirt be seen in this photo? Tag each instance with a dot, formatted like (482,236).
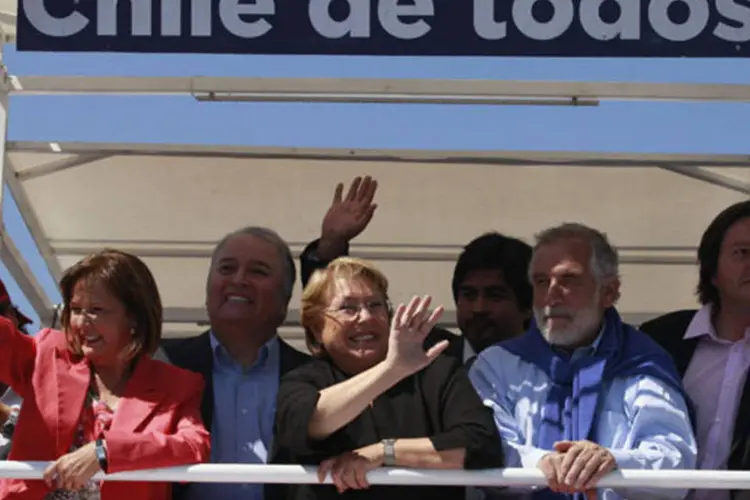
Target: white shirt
(714,380)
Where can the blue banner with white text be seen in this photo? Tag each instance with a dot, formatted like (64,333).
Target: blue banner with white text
(559,28)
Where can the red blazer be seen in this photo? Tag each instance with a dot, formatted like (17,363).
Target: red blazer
(157,422)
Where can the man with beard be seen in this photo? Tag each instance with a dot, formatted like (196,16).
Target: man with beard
(490,283)
(582,393)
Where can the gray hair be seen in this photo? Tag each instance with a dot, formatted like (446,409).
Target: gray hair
(272,237)
(605,262)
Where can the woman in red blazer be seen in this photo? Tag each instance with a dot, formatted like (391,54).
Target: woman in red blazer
(93,398)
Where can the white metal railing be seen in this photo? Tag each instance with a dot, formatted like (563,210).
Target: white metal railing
(298,474)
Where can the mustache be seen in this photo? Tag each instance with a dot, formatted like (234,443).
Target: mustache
(548,311)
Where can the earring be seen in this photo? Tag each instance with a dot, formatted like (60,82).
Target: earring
(132,332)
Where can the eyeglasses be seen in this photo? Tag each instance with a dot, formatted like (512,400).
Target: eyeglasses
(352,310)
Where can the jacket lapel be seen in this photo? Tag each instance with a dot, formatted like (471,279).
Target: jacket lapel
(72,382)
(204,364)
(195,354)
(140,399)
(739,456)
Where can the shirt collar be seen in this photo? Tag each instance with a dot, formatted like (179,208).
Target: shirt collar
(267,354)
(701,324)
(468,351)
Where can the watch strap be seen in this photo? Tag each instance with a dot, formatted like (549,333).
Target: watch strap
(389,452)
(101,455)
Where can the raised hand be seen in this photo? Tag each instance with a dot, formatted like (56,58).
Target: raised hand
(348,217)
(410,326)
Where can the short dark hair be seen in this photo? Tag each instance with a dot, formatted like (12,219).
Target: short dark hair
(494,251)
(129,279)
(710,248)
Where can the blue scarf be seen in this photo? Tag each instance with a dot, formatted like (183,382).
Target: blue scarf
(570,411)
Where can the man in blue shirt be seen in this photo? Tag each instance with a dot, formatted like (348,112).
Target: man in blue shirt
(241,357)
(582,393)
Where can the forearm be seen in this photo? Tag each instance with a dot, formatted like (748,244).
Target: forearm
(331,248)
(340,404)
(421,453)
(155,450)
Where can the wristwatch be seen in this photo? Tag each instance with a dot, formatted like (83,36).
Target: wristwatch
(101,455)
(389,452)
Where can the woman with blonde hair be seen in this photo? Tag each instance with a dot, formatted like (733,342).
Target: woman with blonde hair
(93,398)
(374,397)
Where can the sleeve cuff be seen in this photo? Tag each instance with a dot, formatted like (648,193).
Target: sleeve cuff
(530,458)
(626,459)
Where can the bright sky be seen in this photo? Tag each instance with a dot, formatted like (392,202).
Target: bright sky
(620,127)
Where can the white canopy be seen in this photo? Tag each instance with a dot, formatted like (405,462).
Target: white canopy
(171,203)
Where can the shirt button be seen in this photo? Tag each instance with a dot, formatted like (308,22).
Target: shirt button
(244,411)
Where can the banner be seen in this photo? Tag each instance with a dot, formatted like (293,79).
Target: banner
(562,28)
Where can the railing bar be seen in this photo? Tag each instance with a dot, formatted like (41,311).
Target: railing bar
(297,474)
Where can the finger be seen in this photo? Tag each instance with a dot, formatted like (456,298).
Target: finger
(589,469)
(75,484)
(437,350)
(576,470)
(433,319)
(605,468)
(336,471)
(410,310)
(553,476)
(324,469)
(563,446)
(372,187)
(367,216)
(359,470)
(348,476)
(50,475)
(398,316)
(364,188)
(420,314)
(570,456)
(353,188)
(65,482)
(338,193)
(561,486)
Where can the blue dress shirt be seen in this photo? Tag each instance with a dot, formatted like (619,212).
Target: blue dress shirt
(641,420)
(243,418)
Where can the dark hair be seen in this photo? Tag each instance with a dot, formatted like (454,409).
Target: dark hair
(130,280)
(710,248)
(494,251)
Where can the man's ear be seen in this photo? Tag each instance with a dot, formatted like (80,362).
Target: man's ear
(610,293)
